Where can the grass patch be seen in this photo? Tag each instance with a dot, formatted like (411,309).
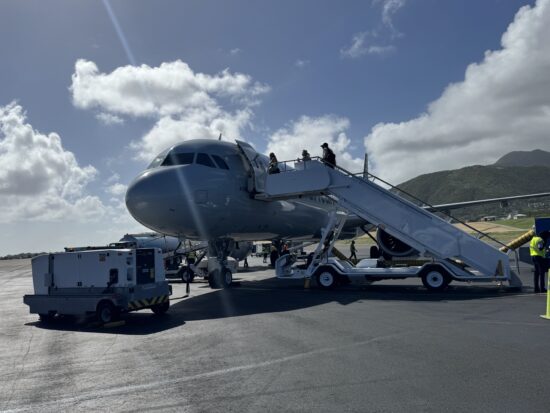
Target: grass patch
(522,223)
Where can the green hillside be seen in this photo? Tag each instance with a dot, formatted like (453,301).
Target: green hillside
(481,182)
(525,158)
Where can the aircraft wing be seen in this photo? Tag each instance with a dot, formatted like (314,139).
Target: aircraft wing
(456,205)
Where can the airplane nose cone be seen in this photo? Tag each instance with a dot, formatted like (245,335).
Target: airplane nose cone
(143,198)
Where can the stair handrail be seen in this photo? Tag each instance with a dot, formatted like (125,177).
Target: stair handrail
(354,175)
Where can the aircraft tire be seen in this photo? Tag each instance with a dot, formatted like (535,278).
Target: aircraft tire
(213,279)
(226,279)
(220,279)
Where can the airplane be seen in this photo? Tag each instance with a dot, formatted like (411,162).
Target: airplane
(205,189)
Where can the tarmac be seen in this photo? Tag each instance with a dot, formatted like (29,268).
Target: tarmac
(269,345)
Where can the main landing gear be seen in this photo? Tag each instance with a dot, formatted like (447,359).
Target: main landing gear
(219,275)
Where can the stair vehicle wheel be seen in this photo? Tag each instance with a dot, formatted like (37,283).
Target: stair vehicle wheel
(435,278)
(162,308)
(106,312)
(326,278)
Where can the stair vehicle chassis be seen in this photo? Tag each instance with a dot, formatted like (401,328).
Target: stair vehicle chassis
(333,272)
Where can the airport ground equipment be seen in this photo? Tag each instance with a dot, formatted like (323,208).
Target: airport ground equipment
(331,270)
(466,257)
(101,282)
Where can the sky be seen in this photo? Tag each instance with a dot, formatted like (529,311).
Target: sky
(91,91)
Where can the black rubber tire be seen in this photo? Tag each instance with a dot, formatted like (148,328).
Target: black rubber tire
(374,252)
(435,278)
(162,308)
(106,312)
(226,279)
(213,279)
(220,279)
(185,273)
(326,278)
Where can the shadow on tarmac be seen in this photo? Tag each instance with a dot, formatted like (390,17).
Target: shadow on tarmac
(269,296)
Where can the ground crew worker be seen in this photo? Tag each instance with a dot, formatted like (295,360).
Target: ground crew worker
(328,155)
(353,251)
(274,255)
(191,257)
(536,249)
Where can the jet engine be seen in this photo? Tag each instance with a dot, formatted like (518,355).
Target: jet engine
(393,246)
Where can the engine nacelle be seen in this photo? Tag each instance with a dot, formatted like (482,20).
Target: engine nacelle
(393,246)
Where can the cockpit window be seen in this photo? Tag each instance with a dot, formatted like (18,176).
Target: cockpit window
(178,159)
(158,160)
(220,162)
(204,159)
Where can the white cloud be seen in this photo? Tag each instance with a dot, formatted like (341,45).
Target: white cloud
(171,88)
(377,41)
(108,119)
(359,47)
(185,104)
(39,179)
(309,133)
(116,189)
(198,124)
(235,51)
(502,105)
(301,63)
(389,8)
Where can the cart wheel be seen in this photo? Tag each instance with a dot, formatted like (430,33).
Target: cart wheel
(435,279)
(162,308)
(326,278)
(106,312)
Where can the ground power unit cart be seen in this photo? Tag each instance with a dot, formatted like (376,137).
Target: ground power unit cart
(102,282)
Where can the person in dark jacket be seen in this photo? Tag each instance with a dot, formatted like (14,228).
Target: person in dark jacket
(273,164)
(274,255)
(328,155)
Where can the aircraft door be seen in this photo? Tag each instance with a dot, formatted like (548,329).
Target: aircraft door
(258,169)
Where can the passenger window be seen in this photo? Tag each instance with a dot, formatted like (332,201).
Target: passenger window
(178,159)
(220,162)
(204,159)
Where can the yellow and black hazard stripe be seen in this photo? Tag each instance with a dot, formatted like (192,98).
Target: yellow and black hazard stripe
(137,304)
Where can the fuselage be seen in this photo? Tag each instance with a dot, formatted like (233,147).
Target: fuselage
(200,189)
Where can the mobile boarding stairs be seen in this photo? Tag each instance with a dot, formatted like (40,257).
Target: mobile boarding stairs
(466,257)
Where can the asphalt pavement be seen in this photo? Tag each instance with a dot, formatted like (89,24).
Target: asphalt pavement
(268,345)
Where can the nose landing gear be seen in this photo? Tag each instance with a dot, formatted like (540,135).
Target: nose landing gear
(219,275)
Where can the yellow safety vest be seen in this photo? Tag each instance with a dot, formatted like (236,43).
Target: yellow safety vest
(536,247)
